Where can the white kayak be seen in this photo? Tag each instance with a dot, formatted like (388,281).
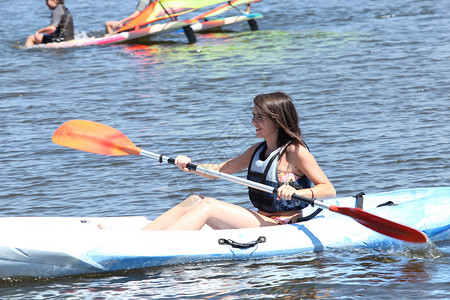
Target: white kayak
(61,246)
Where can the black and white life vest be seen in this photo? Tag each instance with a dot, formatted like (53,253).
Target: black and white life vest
(265,171)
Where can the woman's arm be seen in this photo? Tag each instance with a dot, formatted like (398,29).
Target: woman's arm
(230,166)
(304,161)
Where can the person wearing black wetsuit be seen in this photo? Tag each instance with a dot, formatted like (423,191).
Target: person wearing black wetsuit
(60,29)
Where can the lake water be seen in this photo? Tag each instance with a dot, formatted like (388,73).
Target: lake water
(371,83)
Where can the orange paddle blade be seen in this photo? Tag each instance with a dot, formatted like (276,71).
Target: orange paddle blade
(95,138)
(382,225)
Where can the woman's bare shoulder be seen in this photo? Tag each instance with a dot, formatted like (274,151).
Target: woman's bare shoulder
(296,148)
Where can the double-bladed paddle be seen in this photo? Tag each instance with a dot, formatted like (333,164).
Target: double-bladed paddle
(102,139)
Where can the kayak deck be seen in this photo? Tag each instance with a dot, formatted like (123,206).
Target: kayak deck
(60,246)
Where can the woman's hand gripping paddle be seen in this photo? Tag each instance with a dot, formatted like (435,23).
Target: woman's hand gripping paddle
(102,139)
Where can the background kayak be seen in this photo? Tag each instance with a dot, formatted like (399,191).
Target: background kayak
(135,36)
(144,33)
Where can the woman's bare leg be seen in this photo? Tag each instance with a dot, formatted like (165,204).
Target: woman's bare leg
(218,215)
(175,213)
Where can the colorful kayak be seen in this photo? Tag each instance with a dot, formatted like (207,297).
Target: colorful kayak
(135,36)
(138,34)
(145,34)
(61,246)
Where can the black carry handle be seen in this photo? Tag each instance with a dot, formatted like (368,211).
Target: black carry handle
(234,244)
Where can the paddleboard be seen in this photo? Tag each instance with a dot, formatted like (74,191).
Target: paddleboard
(135,36)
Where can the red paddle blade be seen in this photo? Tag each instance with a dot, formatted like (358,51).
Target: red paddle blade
(382,225)
(95,138)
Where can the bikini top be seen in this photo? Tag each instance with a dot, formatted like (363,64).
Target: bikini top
(265,171)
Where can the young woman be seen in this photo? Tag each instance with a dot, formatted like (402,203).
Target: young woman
(282,160)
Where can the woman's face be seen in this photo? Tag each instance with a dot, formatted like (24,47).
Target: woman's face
(264,125)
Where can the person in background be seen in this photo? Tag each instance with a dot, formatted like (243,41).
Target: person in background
(60,28)
(113,26)
(282,160)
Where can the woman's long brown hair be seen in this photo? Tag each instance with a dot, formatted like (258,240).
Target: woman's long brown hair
(280,108)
